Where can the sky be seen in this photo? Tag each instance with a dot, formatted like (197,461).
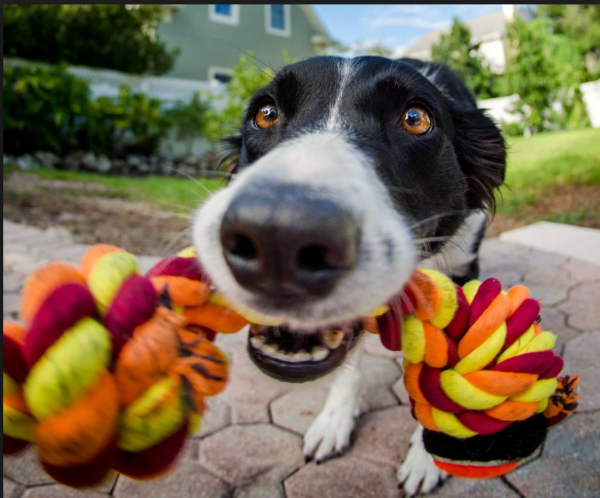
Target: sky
(393,26)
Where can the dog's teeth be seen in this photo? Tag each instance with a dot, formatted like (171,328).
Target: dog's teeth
(301,356)
(319,353)
(257,341)
(270,349)
(333,338)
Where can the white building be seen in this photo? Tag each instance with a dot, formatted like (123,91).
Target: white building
(488,31)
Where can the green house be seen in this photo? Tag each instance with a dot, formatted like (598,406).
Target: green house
(212,38)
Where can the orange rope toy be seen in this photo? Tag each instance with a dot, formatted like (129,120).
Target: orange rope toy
(112,367)
(479,370)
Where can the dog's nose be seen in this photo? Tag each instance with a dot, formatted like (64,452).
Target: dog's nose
(288,241)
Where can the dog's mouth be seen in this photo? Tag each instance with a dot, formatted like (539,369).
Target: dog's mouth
(294,356)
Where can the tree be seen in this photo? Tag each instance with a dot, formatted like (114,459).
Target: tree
(545,70)
(581,24)
(225,120)
(105,36)
(457,51)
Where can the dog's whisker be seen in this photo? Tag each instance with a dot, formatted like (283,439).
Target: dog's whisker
(439,216)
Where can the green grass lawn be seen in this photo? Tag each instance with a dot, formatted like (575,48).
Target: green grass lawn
(539,164)
(173,194)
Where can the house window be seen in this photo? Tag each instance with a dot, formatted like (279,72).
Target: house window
(224,13)
(277,20)
(221,75)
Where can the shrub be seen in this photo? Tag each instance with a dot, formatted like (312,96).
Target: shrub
(44,109)
(187,118)
(129,123)
(246,79)
(106,36)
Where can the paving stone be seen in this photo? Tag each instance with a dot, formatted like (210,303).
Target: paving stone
(250,391)
(25,469)
(61,492)
(11,305)
(379,375)
(216,417)
(384,436)
(582,306)
(147,262)
(251,453)
(187,480)
(344,478)
(497,247)
(551,287)
(548,261)
(555,321)
(582,357)
(400,391)
(569,466)
(260,491)
(11,489)
(373,347)
(582,271)
(488,488)
(12,281)
(570,240)
(298,409)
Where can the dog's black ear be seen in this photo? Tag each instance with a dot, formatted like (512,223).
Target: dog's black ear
(481,153)
(232,151)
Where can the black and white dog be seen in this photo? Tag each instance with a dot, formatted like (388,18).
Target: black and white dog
(350,172)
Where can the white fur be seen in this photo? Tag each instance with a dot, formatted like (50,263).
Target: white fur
(419,473)
(347,69)
(330,432)
(331,165)
(456,255)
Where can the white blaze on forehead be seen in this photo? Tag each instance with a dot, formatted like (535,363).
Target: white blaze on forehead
(347,68)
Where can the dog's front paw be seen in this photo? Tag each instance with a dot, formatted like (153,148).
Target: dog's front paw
(330,433)
(419,473)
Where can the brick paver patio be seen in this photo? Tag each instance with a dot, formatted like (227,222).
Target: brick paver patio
(250,443)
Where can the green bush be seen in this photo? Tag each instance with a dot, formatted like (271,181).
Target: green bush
(129,123)
(188,118)
(44,109)
(246,79)
(106,36)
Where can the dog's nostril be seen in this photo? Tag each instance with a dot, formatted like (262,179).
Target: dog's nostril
(241,246)
(313,258)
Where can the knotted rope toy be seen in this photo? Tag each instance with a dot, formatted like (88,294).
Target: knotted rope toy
(112,367)
(479,370)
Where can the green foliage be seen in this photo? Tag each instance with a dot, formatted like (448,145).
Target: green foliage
(46,108)
(546,161)
(246,79)
(544,68)
(130,122)
(456,50)
(42,109)
(188,118)
(106,36)
(581,24)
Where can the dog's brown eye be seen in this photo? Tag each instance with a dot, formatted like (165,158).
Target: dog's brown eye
(415,120)
(267,116)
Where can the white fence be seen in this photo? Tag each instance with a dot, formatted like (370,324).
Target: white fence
(500,109)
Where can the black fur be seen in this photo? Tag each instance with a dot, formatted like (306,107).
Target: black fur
(440,176)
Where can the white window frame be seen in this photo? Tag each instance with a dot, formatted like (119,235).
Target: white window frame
(287,19)
(213,70)
(233,20)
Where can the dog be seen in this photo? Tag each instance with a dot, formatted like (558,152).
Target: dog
(348,174)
